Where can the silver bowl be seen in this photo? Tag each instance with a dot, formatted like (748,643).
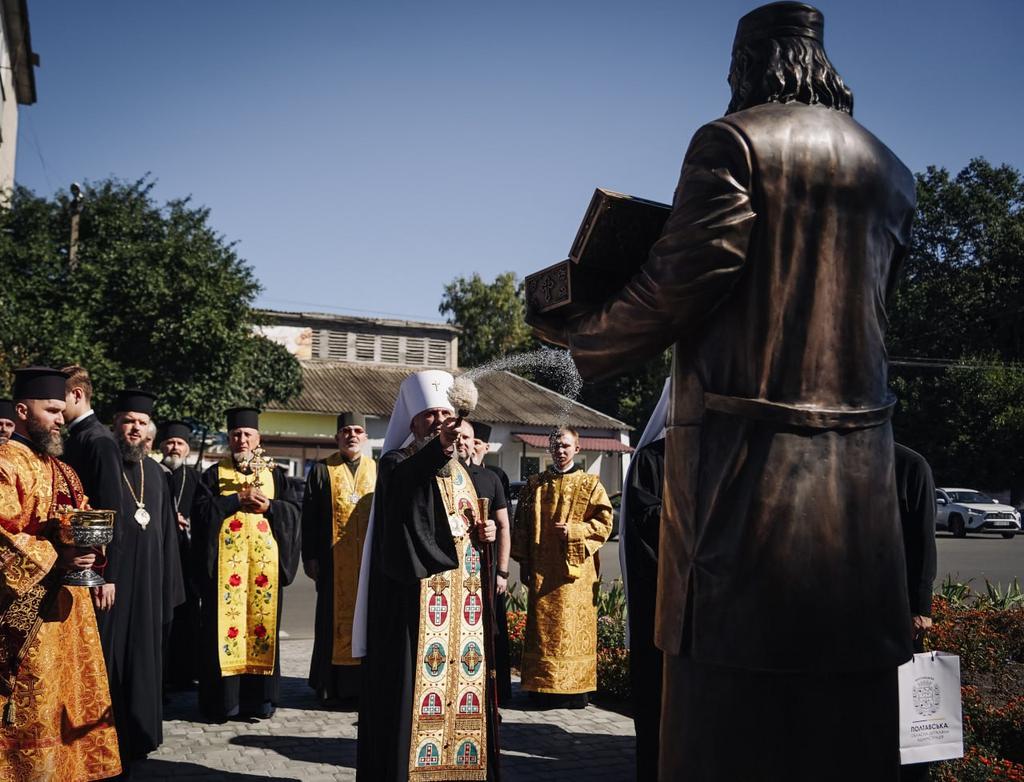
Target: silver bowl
(85,529)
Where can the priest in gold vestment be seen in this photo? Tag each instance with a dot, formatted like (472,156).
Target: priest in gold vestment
(564,516)
(335,513)
(57,724)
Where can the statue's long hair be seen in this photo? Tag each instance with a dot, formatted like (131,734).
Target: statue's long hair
(784,70)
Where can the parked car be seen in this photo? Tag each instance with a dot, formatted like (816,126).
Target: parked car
(965,510)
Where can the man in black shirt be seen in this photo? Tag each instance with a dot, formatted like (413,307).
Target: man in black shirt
(488,485)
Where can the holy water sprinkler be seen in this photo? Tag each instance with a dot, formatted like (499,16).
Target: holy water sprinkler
(463,396)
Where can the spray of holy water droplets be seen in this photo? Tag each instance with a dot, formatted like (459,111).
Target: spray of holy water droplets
(556,366)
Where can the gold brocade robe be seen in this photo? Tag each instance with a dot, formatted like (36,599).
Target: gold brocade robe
(560,647)
(63,728)
(351,498)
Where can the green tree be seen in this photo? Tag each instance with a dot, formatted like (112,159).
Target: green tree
(491,316)
(158,299)
(958,317)
(492,319)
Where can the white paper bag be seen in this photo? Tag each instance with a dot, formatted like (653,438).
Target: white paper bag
(931,720)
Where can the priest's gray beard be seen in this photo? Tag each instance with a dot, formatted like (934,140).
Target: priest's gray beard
(129,452)
(173,461)
(44,440)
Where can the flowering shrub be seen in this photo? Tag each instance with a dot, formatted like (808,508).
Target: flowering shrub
(516,634)
(977,766)
(989,640)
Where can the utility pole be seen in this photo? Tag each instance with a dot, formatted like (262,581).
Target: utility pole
(76,214)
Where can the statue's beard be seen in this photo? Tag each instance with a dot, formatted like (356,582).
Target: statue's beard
(44,440)
(130,452)
(173,461)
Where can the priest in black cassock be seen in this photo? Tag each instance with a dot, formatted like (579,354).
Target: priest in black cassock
(144,584)
(90,447)
(181,662)
(335,513)
(421,620)
(246,544)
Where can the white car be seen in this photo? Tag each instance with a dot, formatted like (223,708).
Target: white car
(965,510)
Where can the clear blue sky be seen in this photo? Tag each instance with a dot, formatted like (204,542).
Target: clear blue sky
(362,154)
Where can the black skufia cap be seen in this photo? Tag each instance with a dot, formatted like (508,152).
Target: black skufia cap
(243,418)
(481,431)
(7,409)
(779,20)
(351,419)
(135,400)
(169,429)
(39,383)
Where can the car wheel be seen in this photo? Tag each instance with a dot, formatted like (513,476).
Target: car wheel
(1009,535)
(956,525)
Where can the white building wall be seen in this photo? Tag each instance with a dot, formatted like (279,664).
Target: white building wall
(8,115)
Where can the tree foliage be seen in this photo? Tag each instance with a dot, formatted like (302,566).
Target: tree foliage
(491,316)
(961,304)
(157,300)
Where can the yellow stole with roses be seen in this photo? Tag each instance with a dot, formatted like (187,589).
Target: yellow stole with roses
(248,581)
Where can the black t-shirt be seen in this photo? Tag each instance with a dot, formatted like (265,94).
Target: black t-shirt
(488,484)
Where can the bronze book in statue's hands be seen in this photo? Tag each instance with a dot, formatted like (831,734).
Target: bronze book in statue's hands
(612,243)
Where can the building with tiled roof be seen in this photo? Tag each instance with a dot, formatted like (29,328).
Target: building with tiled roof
(358,364)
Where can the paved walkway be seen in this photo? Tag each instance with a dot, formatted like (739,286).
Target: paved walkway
(304,742)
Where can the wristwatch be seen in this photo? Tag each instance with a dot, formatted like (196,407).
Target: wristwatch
(503,573)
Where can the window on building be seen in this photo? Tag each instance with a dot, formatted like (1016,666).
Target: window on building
(528,465)
(365,347)
(337,345)
(389,352)
(437,353)
(415,351)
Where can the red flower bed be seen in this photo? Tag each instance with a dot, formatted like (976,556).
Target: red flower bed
(990,644)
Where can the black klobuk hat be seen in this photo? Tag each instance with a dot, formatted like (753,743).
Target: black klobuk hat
(243,418)
(39,383)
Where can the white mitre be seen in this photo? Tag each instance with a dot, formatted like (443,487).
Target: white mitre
(421,391)
(426,390)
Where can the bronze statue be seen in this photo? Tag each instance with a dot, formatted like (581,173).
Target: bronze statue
(782,607)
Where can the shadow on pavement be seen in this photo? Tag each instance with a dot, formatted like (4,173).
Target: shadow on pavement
(169,770)
(295,694)
(577,757)
(314,749)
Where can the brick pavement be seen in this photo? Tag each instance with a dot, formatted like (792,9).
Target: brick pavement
(304,742)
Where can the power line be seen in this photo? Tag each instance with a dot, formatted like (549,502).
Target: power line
(949,363)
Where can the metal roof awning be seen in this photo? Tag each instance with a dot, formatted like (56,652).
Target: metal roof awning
(586,443)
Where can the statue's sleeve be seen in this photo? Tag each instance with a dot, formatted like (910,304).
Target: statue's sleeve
(588,534)
(24,559)
(691,268)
